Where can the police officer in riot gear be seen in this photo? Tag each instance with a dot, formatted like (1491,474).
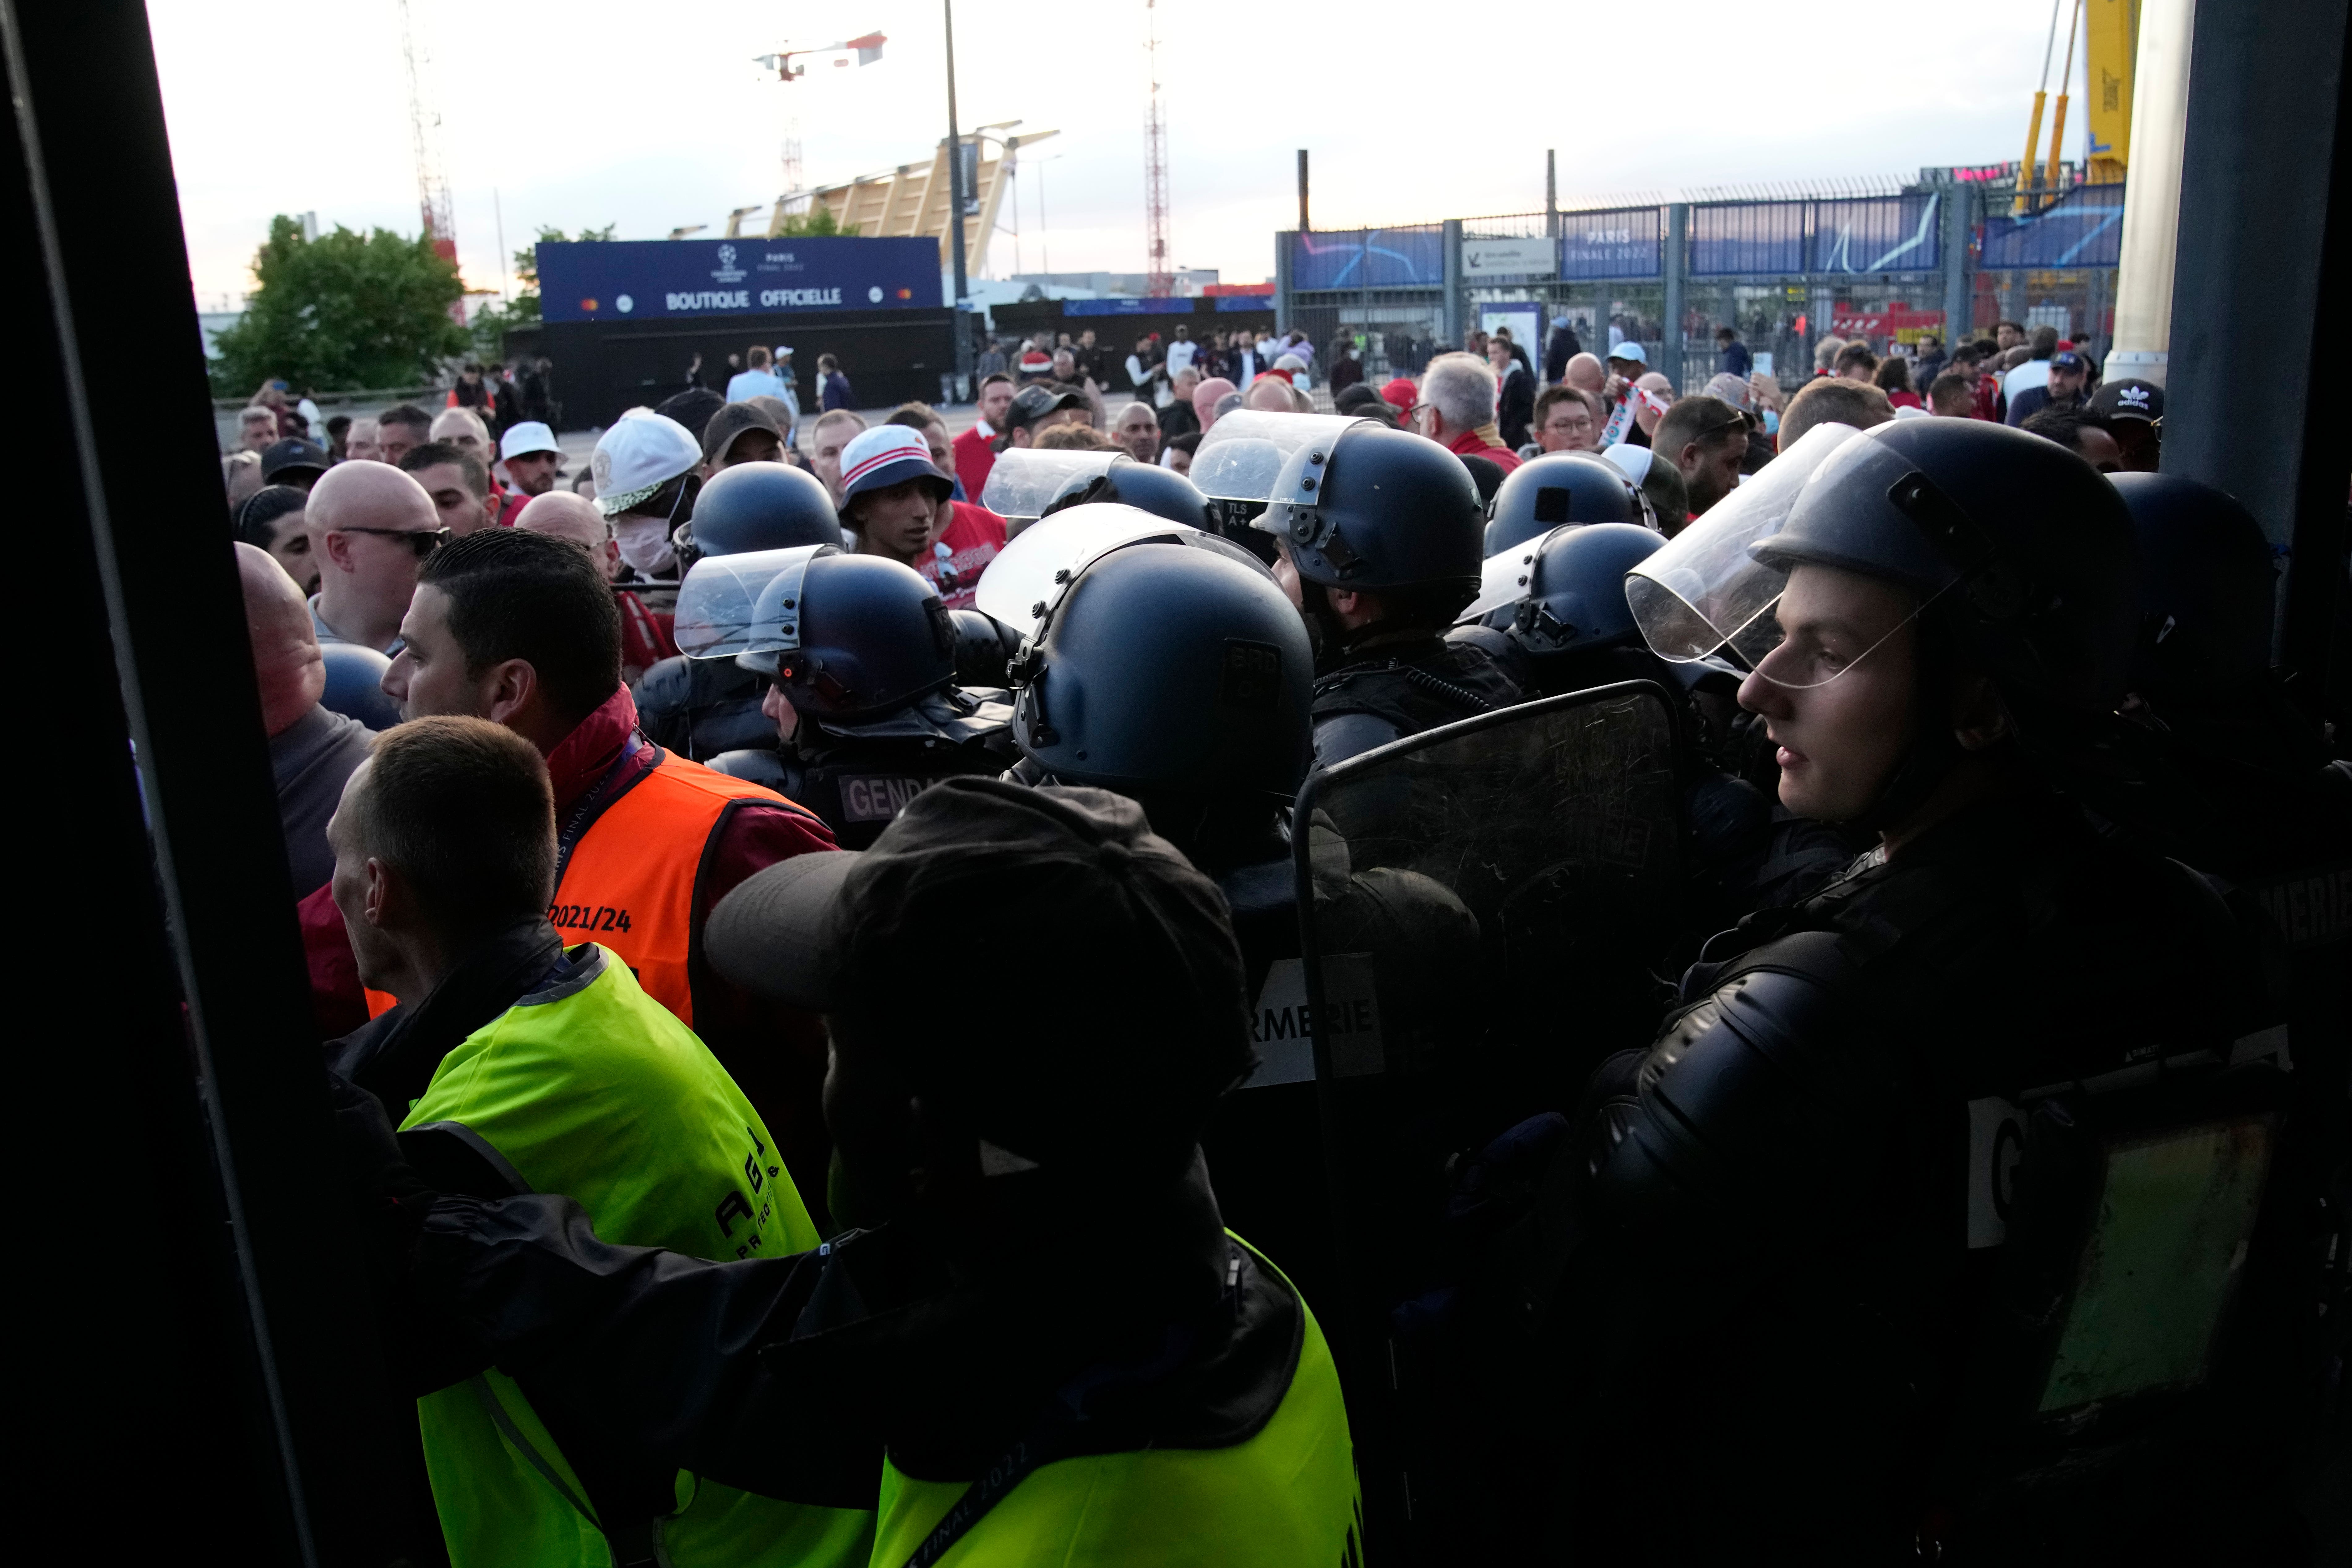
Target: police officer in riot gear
(1832,1243)
(859,656)
(701,708)
(1380,534)
(1175,673)
(1543,493)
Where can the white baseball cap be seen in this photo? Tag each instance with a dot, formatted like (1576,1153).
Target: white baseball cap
(530,436)
(641,452)
(1631,460)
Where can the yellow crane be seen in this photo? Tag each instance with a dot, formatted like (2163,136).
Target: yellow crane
(2109,30)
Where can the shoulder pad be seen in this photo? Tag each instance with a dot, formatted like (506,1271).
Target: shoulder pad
(1748,1108)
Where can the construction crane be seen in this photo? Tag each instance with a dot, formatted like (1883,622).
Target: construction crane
(433,201)
(863,50)
(735,219)
(1155,165)
(2109,30)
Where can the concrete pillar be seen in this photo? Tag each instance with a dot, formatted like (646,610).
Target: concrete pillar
(2263,180)
(2152,192)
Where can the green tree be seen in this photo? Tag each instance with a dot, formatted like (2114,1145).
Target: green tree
(817,221)
(342,310)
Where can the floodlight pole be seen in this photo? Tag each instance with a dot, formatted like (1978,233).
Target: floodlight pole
(955,214)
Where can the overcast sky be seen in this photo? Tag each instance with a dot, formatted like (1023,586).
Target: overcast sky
(653,116)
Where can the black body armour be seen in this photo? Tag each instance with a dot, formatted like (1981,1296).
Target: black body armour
(1844,1262)
(858,777)
(1389,687)
(701,707)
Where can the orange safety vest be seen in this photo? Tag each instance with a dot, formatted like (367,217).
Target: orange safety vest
(627,868)
(630,864)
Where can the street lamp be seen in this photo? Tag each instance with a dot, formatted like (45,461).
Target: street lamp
(955,214)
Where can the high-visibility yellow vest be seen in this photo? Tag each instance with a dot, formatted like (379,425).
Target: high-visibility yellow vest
(1284,1498)
(590,1088)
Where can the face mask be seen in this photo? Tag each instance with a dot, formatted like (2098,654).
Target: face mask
(644,543)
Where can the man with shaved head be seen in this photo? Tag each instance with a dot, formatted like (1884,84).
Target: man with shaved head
(370,525)
(1584,372)
(312,750)
(463,428)
(1206,397)
(1136,429)
(643,642)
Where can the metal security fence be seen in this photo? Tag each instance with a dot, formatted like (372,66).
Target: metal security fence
(1888,262)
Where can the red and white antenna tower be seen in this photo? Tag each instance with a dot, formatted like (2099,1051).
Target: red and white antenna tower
(1155,165)
(425,131)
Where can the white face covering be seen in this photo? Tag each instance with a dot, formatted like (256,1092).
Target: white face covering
(644,543)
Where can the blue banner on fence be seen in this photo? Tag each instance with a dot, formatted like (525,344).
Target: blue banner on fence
(1127,305)
(1624,242)
(1748,237)
(1244,302)
(629,279)
(1878,233)
(2083,229)
(1369,259)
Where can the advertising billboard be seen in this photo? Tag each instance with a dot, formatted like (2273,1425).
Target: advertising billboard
(619,281)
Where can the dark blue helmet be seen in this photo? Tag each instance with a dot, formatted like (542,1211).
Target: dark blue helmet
(1176,667)
(1164,492)
(1576,592)
(2208,586)
(1557,488)
(1378,509)
(355,685)
(762,506)
(860,636)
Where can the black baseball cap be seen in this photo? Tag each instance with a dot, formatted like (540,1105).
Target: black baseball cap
(2129,399)
(731,421)
(291,454)
(1130,1017)
(1034,401)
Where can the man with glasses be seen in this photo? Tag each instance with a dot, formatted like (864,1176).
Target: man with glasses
(370,525)
(1706,438)
(1566,421)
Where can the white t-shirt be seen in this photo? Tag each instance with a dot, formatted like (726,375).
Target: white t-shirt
(1179,356)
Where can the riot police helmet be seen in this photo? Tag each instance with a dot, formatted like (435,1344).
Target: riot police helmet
(1175,667)
(1375,509)
(1557,488)
(1576,591)
(1164,492)
(355,685)
(2208,586)
(2017,556)
(762,506)
(852,636)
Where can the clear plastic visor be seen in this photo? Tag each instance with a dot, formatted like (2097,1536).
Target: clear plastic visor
(1507,576)
(726,606)
(1029,574)
(1025,480)
(1244,452)
(1706,592)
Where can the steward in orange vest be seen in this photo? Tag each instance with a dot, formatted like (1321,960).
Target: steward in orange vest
(518,628)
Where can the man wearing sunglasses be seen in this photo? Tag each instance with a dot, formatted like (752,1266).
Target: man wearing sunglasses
(369,526)
(1708,439)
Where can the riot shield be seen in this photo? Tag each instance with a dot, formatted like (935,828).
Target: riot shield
(1023,481)
(1482,910)
(1242,456)
(1029,574)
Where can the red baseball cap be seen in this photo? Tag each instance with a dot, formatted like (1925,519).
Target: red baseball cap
(1399,395)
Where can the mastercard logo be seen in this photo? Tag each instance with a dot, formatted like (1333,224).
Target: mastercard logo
(906,293)
(587,304)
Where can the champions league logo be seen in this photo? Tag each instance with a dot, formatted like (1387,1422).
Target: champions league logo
(726,272)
